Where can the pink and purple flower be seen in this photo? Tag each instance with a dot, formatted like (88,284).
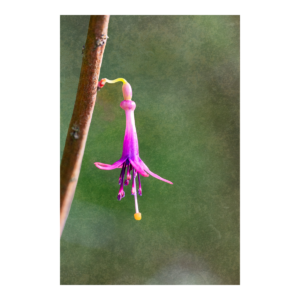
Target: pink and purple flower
(130,162)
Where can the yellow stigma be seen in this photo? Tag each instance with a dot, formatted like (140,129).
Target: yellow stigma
(138,216)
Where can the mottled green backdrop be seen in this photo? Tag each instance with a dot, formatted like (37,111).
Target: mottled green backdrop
(184,72)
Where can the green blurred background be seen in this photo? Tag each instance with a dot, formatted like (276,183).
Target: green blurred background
(184,73)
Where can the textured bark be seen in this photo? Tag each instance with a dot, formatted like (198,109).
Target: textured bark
(82,113)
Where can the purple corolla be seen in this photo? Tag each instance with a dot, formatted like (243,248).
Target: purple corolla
(130,161)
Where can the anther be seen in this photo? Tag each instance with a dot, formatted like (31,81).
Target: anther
(128,173)
(121,194)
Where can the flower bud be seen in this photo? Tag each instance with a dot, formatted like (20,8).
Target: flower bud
(101,83)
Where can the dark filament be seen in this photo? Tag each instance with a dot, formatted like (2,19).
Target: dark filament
(121,191)
(140,186)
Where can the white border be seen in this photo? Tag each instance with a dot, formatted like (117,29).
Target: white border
(240,150)
(58,190)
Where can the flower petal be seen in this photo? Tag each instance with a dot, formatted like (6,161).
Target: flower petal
(137,166)
(117,164)
(105,165)
(153,174)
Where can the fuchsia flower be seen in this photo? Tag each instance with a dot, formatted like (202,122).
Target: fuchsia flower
(130,158)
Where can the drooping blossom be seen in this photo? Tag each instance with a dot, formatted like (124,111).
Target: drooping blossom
(130,162)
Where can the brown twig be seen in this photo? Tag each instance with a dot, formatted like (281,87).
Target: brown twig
(82,113)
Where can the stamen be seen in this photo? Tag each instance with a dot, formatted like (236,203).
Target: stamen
(128,173)
(121,193)
(140,186)
(133,190)
(122,174)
